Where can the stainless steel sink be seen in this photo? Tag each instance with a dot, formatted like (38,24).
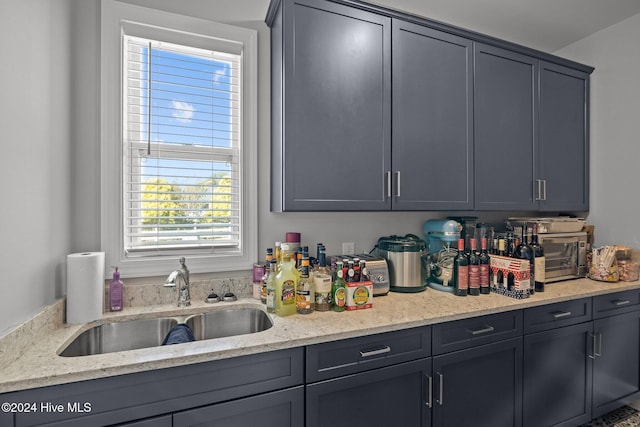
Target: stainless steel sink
(120,336)
(143,333)
(226,323)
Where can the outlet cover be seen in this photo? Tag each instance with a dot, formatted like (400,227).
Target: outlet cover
(348,248)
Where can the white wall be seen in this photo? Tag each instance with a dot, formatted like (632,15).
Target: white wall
(36,155)
(615,135)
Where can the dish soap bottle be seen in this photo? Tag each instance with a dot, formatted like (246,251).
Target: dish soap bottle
(115,292)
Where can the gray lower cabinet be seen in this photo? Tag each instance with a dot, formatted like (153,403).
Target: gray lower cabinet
(563,167)
(391,396)
(432,110)
(144,396)
(283,408)
(616,362)
(505,90)
(164,421)
(477,372)
(331,108)
(375,381)
(558,377)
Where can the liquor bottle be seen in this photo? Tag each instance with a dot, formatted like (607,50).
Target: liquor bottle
(485,269)
(305,293)
(339,289)
(271,287)
(322,282)
(286,283)
(460,272)
(538,260)
(501,248)
(510,248)
(474,268)
(524,251)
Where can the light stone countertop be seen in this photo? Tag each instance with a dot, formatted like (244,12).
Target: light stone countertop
(28,358)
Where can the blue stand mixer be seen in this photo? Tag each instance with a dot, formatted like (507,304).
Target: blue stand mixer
(442,236)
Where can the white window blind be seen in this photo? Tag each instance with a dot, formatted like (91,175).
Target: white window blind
(182,149)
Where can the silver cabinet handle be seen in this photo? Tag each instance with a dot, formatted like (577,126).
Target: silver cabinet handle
(376,352)
(388,174)
(599,352)
(561,314)
(593,347)
(429,386)
(440,399)
(542,189)
(622,302)
(398,183)
(484,330)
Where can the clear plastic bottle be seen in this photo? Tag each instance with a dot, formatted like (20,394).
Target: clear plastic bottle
(271,287)
(287,280)
(322,282)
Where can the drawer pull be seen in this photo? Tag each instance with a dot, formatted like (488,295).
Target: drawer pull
(484,330)
(622,302)
(377,351)
(561,314)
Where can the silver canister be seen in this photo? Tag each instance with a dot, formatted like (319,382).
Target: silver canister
(405,257)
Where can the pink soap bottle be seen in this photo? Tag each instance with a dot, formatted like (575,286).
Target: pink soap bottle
(115,292)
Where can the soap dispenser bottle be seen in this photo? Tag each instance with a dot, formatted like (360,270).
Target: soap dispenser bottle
(115,292)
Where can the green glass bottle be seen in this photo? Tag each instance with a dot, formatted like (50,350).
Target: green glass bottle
(339,289)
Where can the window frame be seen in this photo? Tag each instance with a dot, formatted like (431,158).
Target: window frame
(116,18)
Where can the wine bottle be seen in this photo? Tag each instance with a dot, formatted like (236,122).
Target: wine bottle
(524,251)
(485,268)
(460,271)
(474,268)
(538,260)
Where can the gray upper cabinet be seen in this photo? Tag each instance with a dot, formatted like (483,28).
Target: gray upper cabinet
(505,90)
(375,109)
(331,141)
(563,170)
(432,110)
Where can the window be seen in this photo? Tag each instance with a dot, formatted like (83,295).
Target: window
(179,128)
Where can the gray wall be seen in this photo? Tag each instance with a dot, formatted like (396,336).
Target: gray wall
(36,134)
(615,140)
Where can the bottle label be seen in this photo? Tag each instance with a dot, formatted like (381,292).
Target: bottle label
(322,283)
(484,275)
(474,276)
(288,292)
(271,299)
(463,277)
(303,300)
(539,266)
(340,297)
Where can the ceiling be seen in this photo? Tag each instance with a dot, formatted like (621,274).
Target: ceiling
(546,25)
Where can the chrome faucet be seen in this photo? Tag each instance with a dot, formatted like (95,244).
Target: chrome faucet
(180,279)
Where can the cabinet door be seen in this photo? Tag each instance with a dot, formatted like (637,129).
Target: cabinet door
(616,376)
(284,408)
(505,89)
(337,115)
(564,144)
(397,395)
(558,376)
(480,386)
(432,107)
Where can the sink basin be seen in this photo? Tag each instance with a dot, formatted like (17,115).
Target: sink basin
(120,336)
(226,323)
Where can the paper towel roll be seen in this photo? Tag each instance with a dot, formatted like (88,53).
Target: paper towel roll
(85,286)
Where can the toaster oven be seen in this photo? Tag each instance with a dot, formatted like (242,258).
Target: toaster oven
(565,255)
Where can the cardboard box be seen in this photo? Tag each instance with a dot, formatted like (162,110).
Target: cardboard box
(359,295)
(503,270)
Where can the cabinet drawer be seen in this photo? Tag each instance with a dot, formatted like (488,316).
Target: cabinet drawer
(333,359)
(557,315)
(461,334)
(617,303)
